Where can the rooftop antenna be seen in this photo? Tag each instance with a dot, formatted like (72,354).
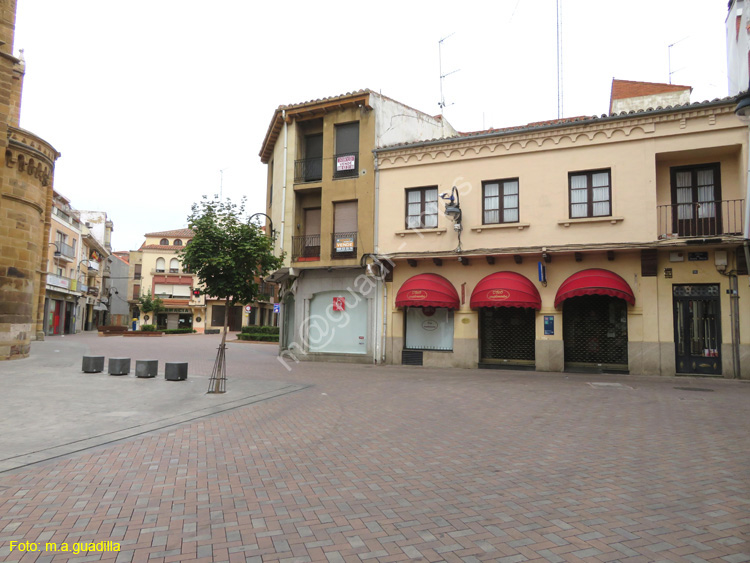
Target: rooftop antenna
(442,103)
(221,183)
(559,61)
(669,55)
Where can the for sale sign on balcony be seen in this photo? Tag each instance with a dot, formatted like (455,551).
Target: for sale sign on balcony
(345,244)
(339,303)
(345,162)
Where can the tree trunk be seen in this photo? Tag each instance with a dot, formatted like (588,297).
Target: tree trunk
(217,384)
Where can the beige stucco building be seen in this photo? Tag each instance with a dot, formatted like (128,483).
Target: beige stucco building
(25,207)
(610,243)
(322,182)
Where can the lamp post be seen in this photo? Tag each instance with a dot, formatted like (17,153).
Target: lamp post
(273,232)
(57,249)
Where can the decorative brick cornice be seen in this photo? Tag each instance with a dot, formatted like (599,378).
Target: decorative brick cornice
(576,133)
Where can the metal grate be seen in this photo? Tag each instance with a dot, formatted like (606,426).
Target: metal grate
(508,333)
(595,330)
(411,357)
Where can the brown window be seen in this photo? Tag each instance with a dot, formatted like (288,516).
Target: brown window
(500,201)
(164,242)
(137,271)
(177,242)
(136,291)
(346,159)
(590,193)
(421,208)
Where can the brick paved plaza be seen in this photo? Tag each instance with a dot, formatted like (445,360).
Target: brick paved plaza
(362,463)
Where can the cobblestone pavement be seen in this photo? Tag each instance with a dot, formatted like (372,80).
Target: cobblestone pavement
(395,464)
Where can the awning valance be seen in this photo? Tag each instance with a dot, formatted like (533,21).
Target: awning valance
(594,282)
(506,289)
(427,290)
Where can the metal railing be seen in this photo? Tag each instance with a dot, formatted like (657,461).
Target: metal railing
(66,250)
(344,245)
(306,247)
(346,165)
(308,170)
(701,219)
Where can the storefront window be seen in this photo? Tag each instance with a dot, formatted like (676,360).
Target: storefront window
(161,321)
(185,320)
(429,328)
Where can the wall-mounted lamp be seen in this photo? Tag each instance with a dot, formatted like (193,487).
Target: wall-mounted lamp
(270,222)
(57,249)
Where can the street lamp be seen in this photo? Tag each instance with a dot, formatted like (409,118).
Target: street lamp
(57,249)
(273,232)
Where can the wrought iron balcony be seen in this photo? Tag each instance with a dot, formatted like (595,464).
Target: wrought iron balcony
(308,170)
(346,165)
(701,219)
(306,247)
(344,245)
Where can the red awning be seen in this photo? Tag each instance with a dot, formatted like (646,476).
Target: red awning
(594,282)
(505,289)
(427,290)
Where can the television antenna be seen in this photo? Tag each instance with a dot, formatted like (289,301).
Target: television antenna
(559,61)
(669,57)
(442,103)
(221,183)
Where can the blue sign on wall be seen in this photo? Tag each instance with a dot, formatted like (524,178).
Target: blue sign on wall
(276,308)
(549,324)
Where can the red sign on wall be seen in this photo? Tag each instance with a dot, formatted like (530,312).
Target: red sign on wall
(339,303)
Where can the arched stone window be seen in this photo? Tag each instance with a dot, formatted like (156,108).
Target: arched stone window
(164,242)
(160,264)
(177,242)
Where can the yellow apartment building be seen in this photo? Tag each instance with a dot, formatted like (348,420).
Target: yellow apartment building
(603,244)
(322,181)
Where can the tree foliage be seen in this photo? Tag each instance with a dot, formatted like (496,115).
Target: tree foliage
(150,304)
(227,253)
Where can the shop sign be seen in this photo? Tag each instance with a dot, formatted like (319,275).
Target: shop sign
(276,307)
(339,303)
(430,325)
(58,281)
(417,294)
(697,256)
(345,162)
(498,295)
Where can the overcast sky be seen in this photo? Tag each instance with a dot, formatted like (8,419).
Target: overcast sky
(148,101)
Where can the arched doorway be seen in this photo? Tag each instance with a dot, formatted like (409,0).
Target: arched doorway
(595,320)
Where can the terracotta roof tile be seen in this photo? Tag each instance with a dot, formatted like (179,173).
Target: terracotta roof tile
(185,233)
(160,247)
(530,127)
(622,89)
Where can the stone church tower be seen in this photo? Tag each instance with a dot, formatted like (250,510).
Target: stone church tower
(25,206)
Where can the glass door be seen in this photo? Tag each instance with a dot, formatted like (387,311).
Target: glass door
(697,329)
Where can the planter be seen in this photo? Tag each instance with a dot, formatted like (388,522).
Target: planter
(140,333)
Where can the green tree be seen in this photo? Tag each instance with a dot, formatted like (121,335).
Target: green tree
(150,304)
(228,254)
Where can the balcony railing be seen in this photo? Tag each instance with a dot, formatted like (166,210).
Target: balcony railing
(306,247)
(344,245)
(346,165)
(308,170)
(701,219)
(61,281)
(66,250)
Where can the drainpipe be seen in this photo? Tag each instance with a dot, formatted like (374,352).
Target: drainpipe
(377,351)
(734,299)
(283,191)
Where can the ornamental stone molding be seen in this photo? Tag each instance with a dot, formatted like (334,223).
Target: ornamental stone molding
(555,136)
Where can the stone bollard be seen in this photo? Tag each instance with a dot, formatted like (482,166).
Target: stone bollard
(146,368)
(175,371)
(93,364)
(119,366)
